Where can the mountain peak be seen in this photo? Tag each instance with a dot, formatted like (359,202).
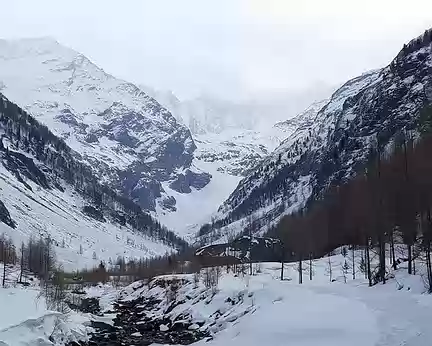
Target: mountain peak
(129,139)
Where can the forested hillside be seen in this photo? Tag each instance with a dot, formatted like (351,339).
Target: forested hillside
(40,171)
(387,204)
(334,145)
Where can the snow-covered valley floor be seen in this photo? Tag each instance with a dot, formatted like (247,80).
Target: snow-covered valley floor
(331,314)
(263,310)
(256,310)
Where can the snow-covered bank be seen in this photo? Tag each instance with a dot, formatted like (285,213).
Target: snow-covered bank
(50,328)
(25,320)
(240,309)
(261,309)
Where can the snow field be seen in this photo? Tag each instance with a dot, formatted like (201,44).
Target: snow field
(318,312)
(25,320)
(252,310)
(43,213)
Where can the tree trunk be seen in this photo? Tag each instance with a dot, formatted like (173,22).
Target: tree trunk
(353,261)
(414,266)
(30,259)
(300,270)
(310,267)
(409,258)
(250,252)
(429,266)
(382,264)
(406,179)
(368,266)
(392,250)
(282,263)
(22,262)
(428,250)
(365,265)
(381,243)
(4,265)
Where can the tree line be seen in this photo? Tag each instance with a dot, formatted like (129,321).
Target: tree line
(23,132)
(36,258)
(386,204)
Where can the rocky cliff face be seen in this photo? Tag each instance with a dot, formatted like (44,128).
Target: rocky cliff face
(334,143)
(127,137)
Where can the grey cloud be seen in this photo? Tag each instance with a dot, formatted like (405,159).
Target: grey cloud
(230,48)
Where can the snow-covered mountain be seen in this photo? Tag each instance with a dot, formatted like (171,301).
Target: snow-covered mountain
(207,114)
(137,139)
(47,193)
(235,136)
(128,138)
(333,142)
(231,139)
(303,119)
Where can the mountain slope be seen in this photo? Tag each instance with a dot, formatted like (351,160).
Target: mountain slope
(127,137)
(231,139)
(371,108)
(47,192)
(235,136)
(303,119)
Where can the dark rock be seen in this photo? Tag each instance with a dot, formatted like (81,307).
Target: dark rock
(143,190)
(129,313)
(104,327)
(21,165)
(94,213)
(184,182)
(91,138)
(87,305)
(260,249)
(125,139)
(67,117)
(168,203)
(5,216)
(116,216)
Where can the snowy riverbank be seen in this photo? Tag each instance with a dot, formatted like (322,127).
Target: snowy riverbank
(242,310)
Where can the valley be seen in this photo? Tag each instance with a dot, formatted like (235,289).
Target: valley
(165,154)
(131,216)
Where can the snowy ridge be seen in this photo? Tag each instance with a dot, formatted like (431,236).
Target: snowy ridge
(303,119)
(227,157)
(236,152)
(128,138)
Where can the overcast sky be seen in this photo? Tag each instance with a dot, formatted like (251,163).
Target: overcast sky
(229,48)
